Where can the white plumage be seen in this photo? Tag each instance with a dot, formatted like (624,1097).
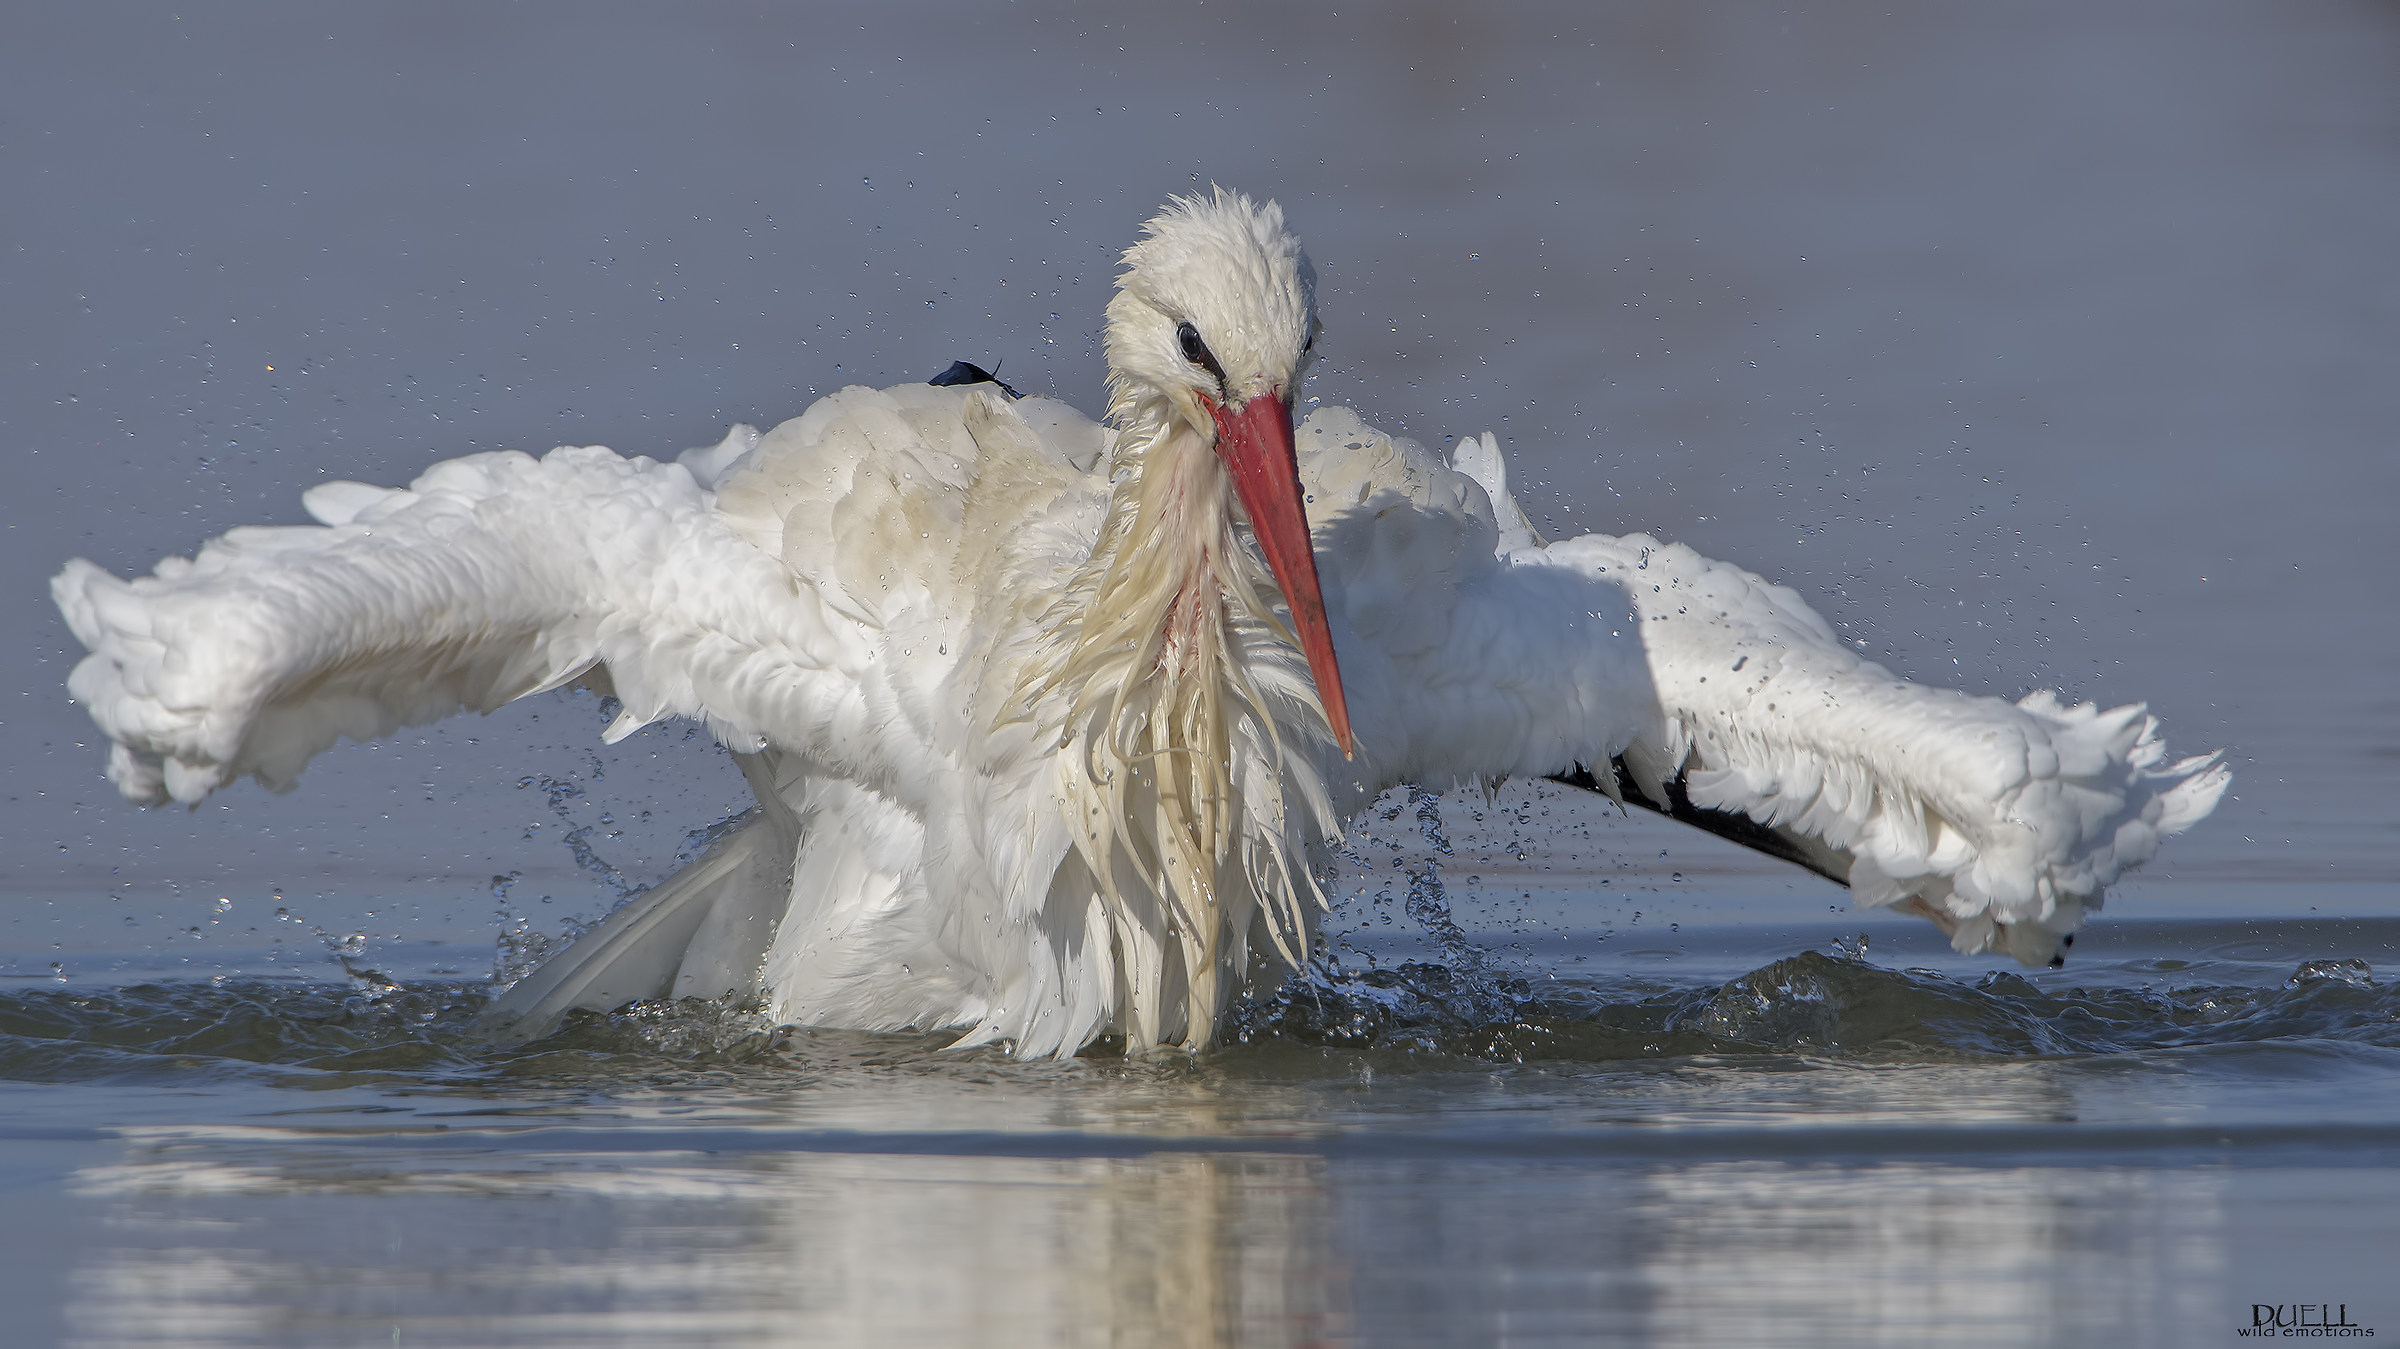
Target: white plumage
(1044,748)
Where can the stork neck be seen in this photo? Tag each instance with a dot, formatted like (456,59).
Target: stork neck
(1156,706)
(1180,504)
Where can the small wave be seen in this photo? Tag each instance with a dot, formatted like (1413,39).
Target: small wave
(376,1031)
(1811,1005)
(239,1027)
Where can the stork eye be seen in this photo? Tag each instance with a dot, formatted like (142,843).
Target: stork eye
(1197,352)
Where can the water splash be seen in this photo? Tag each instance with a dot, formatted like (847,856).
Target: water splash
(579,846)
(705,837)
(520,946)
(2356,973)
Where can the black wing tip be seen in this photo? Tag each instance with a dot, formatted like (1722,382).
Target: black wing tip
(1732,826)
(967,372)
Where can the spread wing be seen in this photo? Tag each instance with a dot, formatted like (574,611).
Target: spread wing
(1706,687)
(766,610)
(488,578)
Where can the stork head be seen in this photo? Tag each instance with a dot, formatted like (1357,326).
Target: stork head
(1216,307)
(1212,327)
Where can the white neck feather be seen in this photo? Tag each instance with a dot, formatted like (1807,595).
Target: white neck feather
(1173,773)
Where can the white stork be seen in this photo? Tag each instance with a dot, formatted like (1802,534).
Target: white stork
(1051,722)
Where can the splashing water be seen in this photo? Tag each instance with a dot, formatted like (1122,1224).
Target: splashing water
(520,946)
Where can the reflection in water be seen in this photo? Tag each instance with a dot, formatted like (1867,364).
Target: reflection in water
(1745,1253)
(261,1238)
(261,1242)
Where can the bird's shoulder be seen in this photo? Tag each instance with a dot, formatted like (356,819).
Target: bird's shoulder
(1398,530)
(1347,465)
(884,497)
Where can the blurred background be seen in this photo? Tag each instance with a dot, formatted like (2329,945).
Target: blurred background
(2038,345)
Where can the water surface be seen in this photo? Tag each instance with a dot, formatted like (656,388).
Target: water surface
(1405,1154)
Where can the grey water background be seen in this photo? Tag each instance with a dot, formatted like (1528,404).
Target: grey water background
(2038,346)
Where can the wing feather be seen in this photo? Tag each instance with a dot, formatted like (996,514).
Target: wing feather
(489,578)
(1718,690)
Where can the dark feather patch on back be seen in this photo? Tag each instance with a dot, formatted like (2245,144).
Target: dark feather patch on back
(967,372)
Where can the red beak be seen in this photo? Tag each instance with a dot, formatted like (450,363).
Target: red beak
(1255,444)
